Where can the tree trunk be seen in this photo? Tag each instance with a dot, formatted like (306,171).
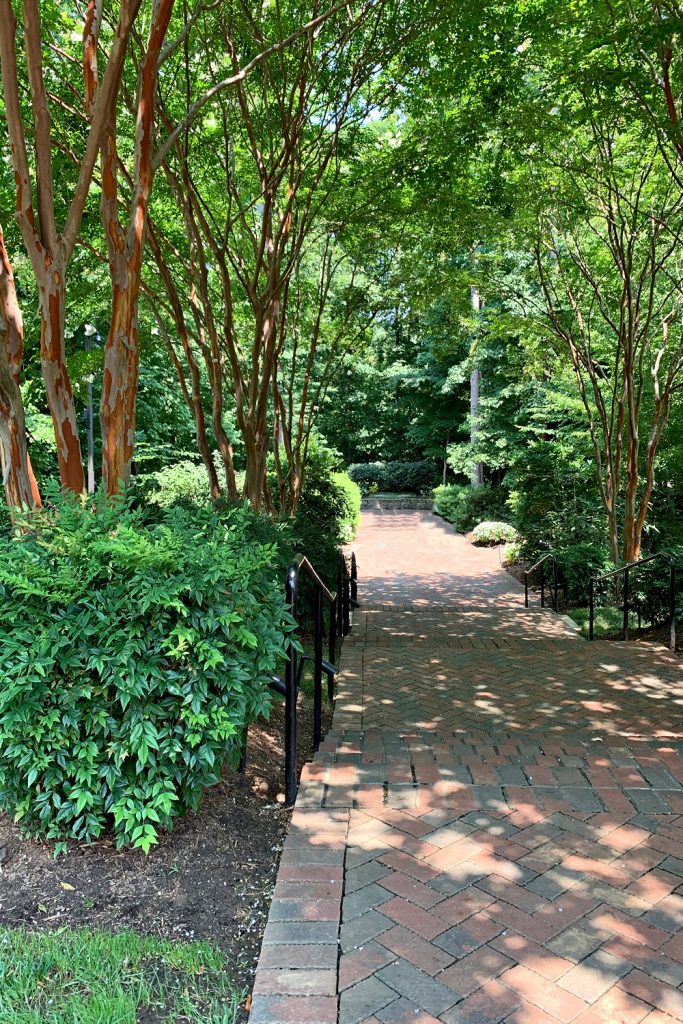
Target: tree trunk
(119,380)
(255,482)
(122,349)
(60,399)
(475,382)
(21,489)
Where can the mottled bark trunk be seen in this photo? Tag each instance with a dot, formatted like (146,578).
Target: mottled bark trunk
(60,399)
(18,479)
(119,385)
(256,444)
(21,489)
(122,349)
(224,445)
(48,247)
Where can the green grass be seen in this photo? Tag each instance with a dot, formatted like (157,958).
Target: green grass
(79,977)
(606,621)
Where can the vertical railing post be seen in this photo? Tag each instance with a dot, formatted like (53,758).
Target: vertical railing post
(526,589)
(242,767)
(591,608)
(332,641)
(626,604)
(318,669)
(347,601)
(542,584)
(672,605)
(354,578)
(340,595)
(290,696)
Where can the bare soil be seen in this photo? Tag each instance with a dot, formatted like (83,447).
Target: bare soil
(211,878)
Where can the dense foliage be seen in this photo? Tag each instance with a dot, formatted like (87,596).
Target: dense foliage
(134,657)
(393,477)
(465,507)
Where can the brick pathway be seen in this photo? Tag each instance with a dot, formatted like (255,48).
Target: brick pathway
(497,814)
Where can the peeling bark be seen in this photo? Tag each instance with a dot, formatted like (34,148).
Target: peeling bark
(19,482)
(49,248)
(122,349)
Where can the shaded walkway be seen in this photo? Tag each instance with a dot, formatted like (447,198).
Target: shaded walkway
(497,813)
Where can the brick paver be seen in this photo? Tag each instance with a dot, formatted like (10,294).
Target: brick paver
(493,830)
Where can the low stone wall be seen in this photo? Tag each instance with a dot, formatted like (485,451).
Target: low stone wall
(400,501)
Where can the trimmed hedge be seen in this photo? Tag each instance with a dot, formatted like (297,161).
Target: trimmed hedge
(393,477)
(351,518)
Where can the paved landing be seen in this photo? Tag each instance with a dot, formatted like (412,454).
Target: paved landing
(493,830)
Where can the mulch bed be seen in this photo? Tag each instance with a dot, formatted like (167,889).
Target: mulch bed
(211,878)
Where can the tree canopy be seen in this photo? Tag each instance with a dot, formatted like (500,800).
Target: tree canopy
(411,231)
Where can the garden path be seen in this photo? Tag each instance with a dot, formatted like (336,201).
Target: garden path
(493,830)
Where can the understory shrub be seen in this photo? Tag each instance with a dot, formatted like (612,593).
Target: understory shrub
(183,484)
(324,513)
(512,553)
(465,506)
(133,656)
(393,477)
(351,518)
(577,563)
(555,504)
(494,533)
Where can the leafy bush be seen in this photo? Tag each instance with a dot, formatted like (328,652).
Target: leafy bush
(323,514)
(183,483)
(351,518)
(512,553)
(494,533)
(393,477)
(465,506)
(577,563)
(133,656)
(555,503)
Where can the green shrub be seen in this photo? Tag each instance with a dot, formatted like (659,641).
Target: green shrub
(393,477)
(352,495)
(494,533)
(578,563)
(465,506)
(319,527)
(555,504)
(133,656)
(183,484)
(512,553)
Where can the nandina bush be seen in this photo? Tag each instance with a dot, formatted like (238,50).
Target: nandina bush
(133,655)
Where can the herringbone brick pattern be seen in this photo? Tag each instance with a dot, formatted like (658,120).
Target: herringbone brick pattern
(507,803)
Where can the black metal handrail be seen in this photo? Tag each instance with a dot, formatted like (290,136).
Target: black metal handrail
(340,604)
(626,571)
(555,587)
